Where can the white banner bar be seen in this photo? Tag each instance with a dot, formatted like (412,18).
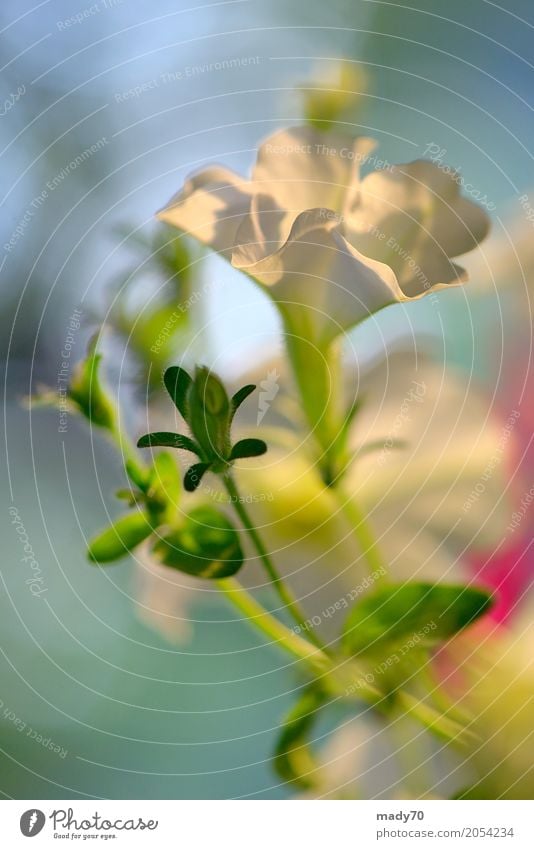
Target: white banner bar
(268,824)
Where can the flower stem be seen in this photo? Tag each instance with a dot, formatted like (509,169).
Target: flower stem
(362,531)
(336,674)
(129,455)
(272,627)
(317,374)
(278,584)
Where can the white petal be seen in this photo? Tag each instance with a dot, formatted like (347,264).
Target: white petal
(413,218)
(439,479)
(315,275)
(303,168)
(210,207)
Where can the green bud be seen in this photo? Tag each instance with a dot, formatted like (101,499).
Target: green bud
(120,538)
(206,545)
(87,393)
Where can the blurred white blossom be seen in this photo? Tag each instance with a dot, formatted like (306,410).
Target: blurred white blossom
(330,247)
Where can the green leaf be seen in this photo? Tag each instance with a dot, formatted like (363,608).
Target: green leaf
(177,383)
(248,448)
(397,612)
(194,475)
(346,425)
(165,484)
(206,545)
(87,392)
(140,477)
(120,538)
(209,412)
(168,440)
(132,496)
(293,758)
(240,396)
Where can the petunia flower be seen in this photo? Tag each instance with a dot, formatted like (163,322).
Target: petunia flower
(329,246)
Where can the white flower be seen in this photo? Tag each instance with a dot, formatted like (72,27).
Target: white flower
(329,247)
(508,256)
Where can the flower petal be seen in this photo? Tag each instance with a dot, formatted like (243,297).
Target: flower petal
(210,207)
(413,218)
(303,168)
(316,276)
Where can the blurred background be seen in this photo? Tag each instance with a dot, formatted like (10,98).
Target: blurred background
(104,109)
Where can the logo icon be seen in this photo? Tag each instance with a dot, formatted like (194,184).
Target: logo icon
(32,822)
(269,391)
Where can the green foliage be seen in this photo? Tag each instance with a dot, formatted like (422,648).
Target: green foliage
(240,396)
(396,612)
(194,475)
(208,415)
(164,487)
(204,404)
(177,383)
(156,498)
(168,440)
(205,545)
(248,448)
(293,758)
(163,264)
(86,391)
(120,538)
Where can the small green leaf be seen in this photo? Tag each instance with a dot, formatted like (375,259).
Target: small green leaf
(248,448)
(168,440)
(87,393)
(206,545)
(209,412)
(194,475)
(240,396)
(165,484)
(346,425)
(177,383)
(293,758)
(132,496)
(140,477)
(394,613)
(120,538)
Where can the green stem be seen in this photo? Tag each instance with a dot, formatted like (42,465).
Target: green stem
(283,593)
(340,675)
(317,375)
(129,455)
(362,531)
(272,627)
(317,372)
